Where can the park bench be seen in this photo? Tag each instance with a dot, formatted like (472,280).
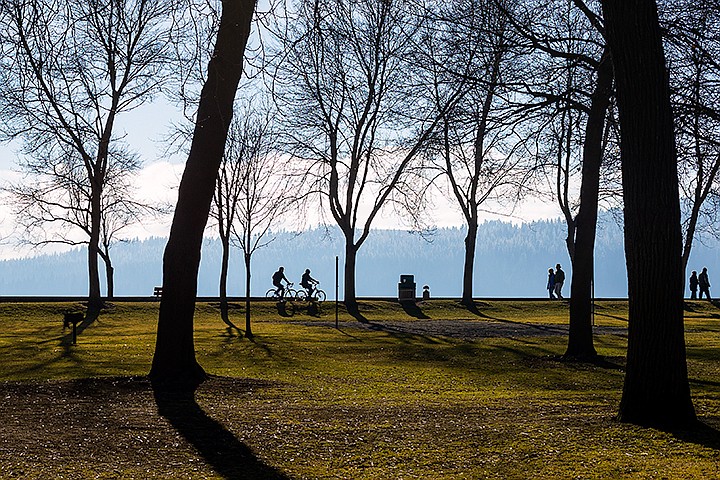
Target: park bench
(73,318)
(157,291)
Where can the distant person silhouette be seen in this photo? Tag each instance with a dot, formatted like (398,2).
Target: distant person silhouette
(704,283)
(559,280)
(308,282)
(277,279)
(693,285)
(551,283)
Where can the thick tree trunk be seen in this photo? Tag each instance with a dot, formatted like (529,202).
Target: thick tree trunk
(349,275)
(469,266)
(656,390)
(94,295)
(174,364)
(248,328)
(580,338)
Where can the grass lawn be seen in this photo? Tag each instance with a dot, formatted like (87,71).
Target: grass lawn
(304,400)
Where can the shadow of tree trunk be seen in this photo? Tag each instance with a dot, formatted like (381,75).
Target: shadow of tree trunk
(414,310)
(353,310)
(225,316)
(228,456)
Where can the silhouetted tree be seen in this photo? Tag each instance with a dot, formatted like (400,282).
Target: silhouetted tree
(252,191)
(174,364)
(68,70)
(693,49)
(352,109)
(467,45)
(580,335)
(573,39)
(656,390)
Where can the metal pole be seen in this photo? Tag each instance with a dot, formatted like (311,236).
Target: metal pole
(337,289)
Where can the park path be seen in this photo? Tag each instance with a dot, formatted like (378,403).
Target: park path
(465,329)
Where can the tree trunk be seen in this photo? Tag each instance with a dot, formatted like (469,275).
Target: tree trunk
(469,266)
(350,262)
(104,253)
(580,339)
(94,295)
(248,329)
(656,390)
(110,277)
(174,363)
(224,268)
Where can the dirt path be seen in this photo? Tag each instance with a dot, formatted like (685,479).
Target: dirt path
(464,329)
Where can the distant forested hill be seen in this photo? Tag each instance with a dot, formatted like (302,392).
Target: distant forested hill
(512,261)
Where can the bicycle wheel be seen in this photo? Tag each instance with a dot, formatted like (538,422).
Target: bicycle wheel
(301,296)
(320,295)
(270,293)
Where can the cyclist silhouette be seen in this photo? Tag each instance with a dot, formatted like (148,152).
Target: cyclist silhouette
(277,279)
(308,282)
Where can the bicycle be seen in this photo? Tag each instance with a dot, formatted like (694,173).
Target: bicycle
(317,295)
(289,293)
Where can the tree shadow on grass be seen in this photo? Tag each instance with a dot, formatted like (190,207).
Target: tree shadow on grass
(255,340)
(404,336)
(225,316)
(413,309)
(699,433)
(596,361)
(228,456)
(475,310)
(607,315)
(353,310)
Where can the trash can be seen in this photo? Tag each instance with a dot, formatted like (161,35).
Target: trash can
(406,288)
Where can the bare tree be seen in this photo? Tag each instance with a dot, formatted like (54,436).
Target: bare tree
(570,44)
(656,390)
(55,209)
(467,44)
(693,47)
(252,192)
(174,363)
(70,69)
(352,109)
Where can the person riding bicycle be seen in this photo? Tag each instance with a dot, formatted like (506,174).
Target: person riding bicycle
(277,279)
(308,282)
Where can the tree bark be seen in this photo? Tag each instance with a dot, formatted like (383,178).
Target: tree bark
(580,338)
(656,390)
(224,268)
(110,278)
(248,328)
(469,266)
(349,274)
(94,295)
(174,363)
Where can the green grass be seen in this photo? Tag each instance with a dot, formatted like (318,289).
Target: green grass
(361,404)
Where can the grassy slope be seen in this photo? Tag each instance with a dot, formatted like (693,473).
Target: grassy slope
(373,404)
